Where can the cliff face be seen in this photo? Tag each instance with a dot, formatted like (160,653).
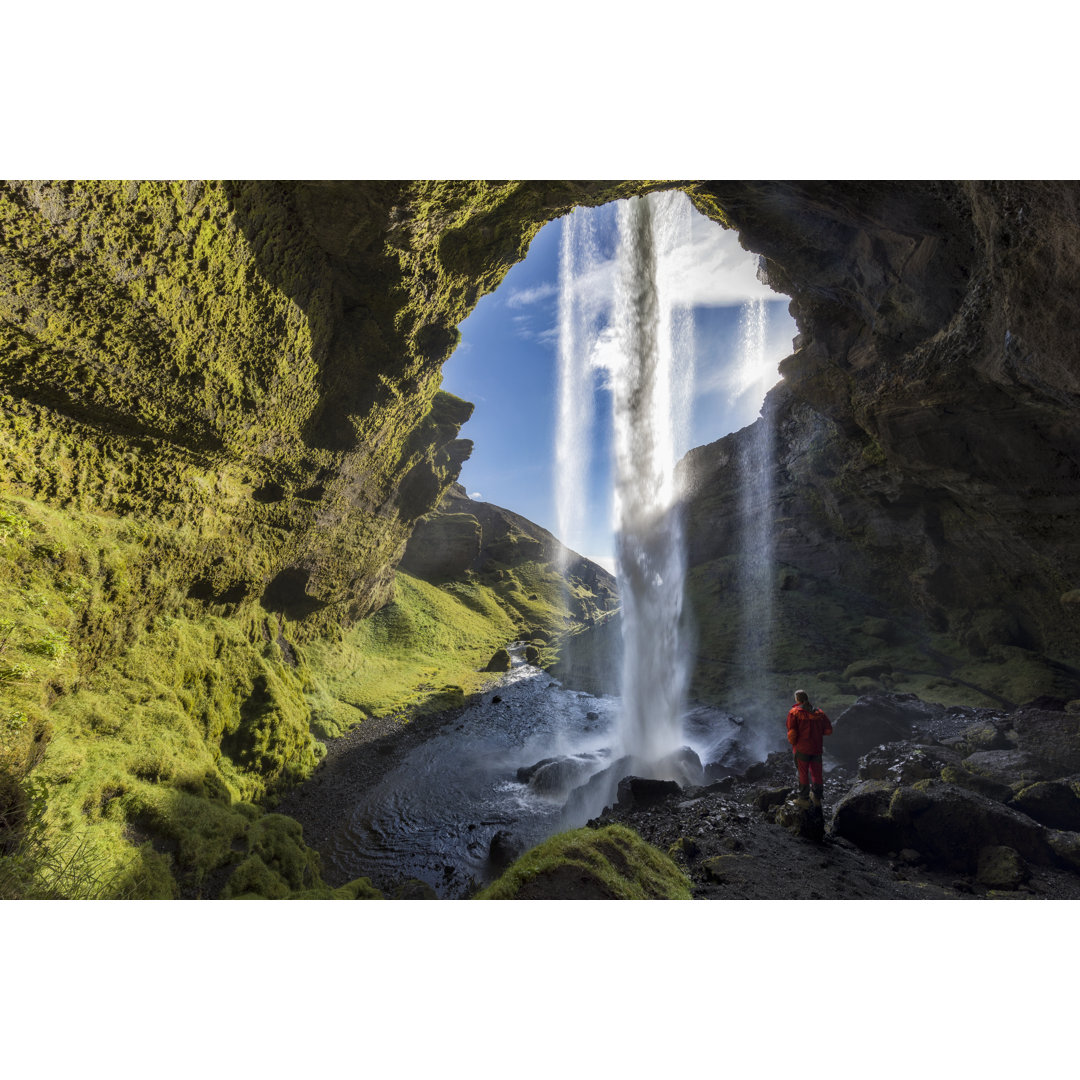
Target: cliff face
(924,461)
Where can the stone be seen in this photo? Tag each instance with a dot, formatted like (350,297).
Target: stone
(862,816)
(1000,867)
(562,774)
(1011,767)
(532,655)
(1066,848)
(764,800)
(499,662)
(1054,803)
(949,826)
(504,848)
(906,762)
(1052,736)
(876,718)
(806,822)
(414,889)
(639,791)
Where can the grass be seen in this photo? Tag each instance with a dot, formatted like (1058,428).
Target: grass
(612,863)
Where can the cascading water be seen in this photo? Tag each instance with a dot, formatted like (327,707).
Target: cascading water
(634,331)
(754,582)
(650,548)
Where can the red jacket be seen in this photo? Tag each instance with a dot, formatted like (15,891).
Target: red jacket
(806,729)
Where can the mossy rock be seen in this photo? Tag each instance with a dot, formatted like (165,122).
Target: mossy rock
(500,661)
(612,863)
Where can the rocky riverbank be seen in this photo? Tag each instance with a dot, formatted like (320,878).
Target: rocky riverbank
(921,802)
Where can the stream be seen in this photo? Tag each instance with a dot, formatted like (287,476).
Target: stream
(433,817)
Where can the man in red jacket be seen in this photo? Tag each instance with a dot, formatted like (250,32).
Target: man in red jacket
(806,727)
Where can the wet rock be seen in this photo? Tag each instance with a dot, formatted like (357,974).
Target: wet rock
(495,699)
(1001,867)
(414,889)
(499,662)
(808,823)
(862,816)
(504,848)
(906,762)
(876,718)
(532,655)
(639,791)
(981,785)
(1011,767)
(950,826)
(592,716)
(686,847)
(525,773)
(683,765)
(764,800)
(1066,848)
(991,734)
(1054,803)
(1052,736)
(562,774)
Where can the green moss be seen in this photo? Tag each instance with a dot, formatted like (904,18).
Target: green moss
(611,863)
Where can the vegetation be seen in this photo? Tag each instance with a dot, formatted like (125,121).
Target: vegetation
(612,863)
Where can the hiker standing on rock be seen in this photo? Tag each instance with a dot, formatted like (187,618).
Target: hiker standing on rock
(806,727)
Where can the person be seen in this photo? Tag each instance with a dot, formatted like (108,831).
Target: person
(806,728)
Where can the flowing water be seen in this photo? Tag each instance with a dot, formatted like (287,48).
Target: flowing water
(434,816)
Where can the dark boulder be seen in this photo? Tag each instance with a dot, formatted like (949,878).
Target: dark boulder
(504,848)
(1014,768)
(765,800)
(906,762)
(499,662)
(637,791)
(1052,736)
(526,772)
(876,718)
(414,889)
(1054,803)
(950,826)
(532,655)
(862,816)
(806,822)
(1001,867)
(560,775)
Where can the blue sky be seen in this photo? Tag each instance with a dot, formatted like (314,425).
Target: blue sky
(507,365)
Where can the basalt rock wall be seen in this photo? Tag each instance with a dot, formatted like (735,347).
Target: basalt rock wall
(925,462)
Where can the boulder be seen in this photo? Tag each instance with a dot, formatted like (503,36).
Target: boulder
(1052,736)
(765,800)
(906,762)
(525,773)
(532,655)
(499,662)
(862,816)
(807,823)
(876,718)
(1010,767)
(414,889)
(1000,867)
(558,776)
(1066,848)
(950,826)
(504,848)
(1054,803)
(636,791)
(993,734)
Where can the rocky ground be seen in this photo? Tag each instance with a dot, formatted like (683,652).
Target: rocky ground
(921,802)
(892,828)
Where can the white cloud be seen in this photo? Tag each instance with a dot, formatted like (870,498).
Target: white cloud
(476,496)
(524,297)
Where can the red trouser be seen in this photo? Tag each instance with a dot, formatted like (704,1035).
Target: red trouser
(809,763)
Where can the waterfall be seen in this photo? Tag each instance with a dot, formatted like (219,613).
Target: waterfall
(578,330)
(650,548)
(754,582)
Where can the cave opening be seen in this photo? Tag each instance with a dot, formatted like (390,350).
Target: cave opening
(507,364)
